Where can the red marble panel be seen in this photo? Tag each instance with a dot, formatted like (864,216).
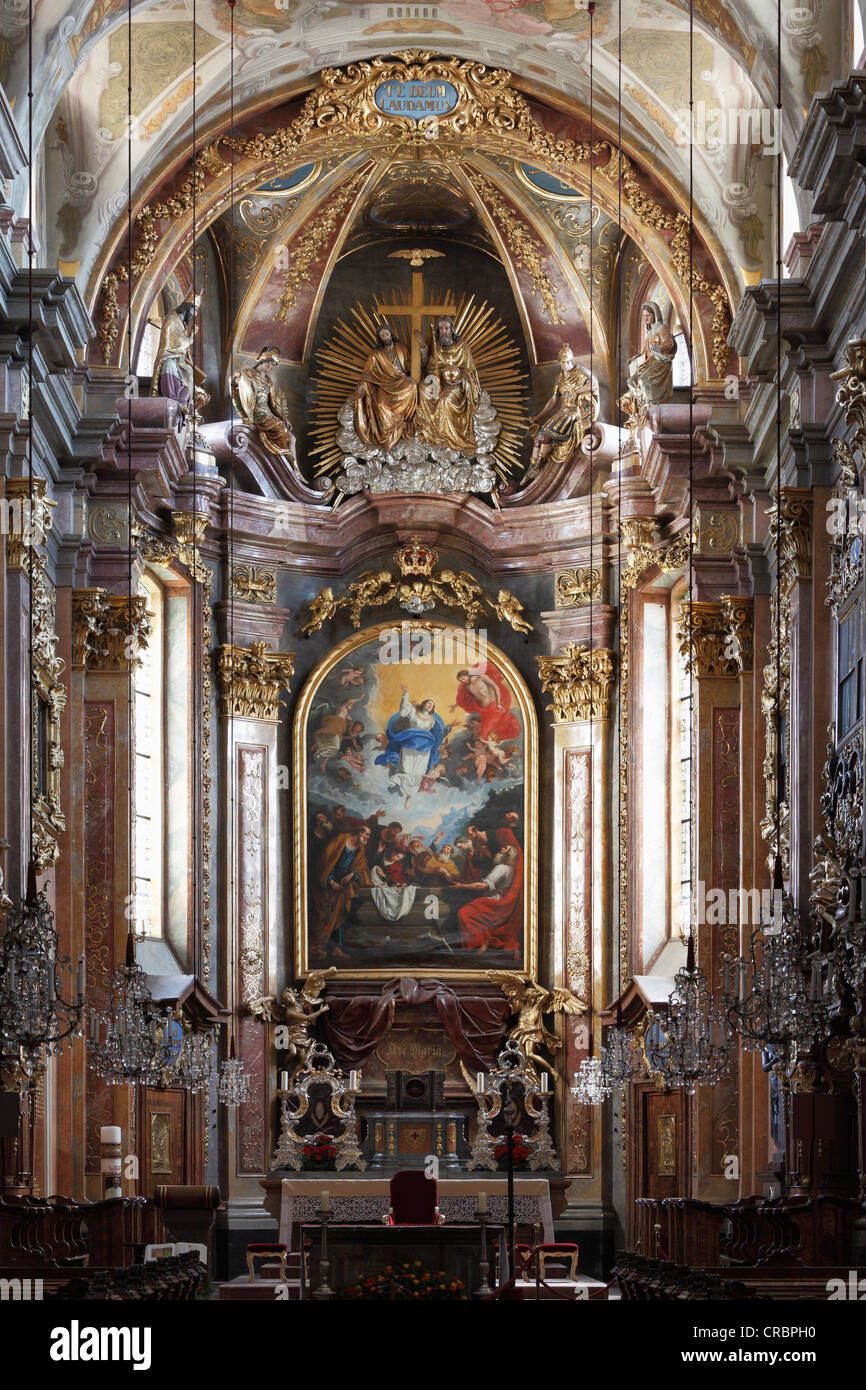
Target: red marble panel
(252,930)
(99,891)
(577,915)
(726,876)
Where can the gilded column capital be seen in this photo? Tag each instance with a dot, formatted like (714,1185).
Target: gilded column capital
(580,682)
(251,679)
(639,538)
(705,639)
(26,518)
(795,534)
(190,528)
(108,630)
(738,614)
(851,395)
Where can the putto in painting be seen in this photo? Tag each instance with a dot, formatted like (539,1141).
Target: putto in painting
(415,764)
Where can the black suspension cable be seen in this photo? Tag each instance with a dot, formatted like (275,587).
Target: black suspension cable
(32,742)
(777,866)
(130,391)
(690,643)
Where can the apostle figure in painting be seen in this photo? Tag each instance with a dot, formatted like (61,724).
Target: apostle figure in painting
(263,404)
(447,418)
(414,736)
(386,396)
(651,373)
(344,870)
(494,921)
(173,374)
(564,420)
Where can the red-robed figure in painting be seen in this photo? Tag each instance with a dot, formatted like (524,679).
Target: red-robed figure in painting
(496,919)
(485,693)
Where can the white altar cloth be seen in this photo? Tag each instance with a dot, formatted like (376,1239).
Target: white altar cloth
(367,1199)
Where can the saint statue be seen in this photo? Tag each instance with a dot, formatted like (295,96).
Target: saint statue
(650,374)
(263,404)
(386,396)
(564,420)
(173,374)
(446,417)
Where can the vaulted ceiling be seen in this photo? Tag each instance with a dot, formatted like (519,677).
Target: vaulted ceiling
(81,75)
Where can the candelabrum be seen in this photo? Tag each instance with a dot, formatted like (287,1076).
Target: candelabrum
(323,1290)
(318,1070)
(690,1046)
(491,1091)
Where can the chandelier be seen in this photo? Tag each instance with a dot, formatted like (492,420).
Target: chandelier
(34,1015)
(775,997)
(691,1045)
(620,1059)
(590,1086)
(194,1065)
(131,1043)
(233,1087)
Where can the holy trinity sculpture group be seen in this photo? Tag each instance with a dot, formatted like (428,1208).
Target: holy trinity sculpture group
(438,433)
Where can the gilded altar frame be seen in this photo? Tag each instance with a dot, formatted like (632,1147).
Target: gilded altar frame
(299,805)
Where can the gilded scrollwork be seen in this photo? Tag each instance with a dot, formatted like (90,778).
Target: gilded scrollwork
(254,584)
(705,640)
(49,701)
(578,587)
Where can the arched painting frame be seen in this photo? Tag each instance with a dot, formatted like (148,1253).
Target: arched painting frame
(483,775)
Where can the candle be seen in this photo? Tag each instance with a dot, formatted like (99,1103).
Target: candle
(815,991)
(325,1202)
(482,1203)
(81,977)
(109,1134)
(544,1081)
(353,1081)
(284,1080)
(480,1081)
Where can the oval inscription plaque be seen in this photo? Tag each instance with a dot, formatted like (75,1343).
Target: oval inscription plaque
(417,100)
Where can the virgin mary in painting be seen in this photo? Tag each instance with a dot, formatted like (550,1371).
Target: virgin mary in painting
(417,813)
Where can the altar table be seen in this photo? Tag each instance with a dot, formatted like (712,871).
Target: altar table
(362,1200)
(355,1251)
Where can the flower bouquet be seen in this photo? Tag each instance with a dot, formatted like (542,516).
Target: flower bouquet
(320,1153)
(519,1150)
(411,1282)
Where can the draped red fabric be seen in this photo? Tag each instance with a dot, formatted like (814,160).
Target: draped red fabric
(498,719)
(496,921)
(475,1024)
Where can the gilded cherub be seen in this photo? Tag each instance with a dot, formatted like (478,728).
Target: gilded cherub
(509,609)
(530,1001)
(321,608)
(296,1010)
(369,590)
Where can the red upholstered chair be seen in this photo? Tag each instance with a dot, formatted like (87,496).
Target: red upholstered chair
(414,1200)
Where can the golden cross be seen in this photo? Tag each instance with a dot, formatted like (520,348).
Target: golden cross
(417,311)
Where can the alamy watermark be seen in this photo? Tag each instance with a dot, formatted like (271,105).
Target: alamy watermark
(422,646)
(715,126)
(757,907)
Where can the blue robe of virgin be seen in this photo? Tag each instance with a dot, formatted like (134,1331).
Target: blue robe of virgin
(417,739)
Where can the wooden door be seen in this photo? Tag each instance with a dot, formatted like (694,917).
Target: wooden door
(163,1140)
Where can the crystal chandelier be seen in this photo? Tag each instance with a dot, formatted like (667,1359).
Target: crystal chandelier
(131,1042)
(590,1086)
(691,1045)
(768,999)
(233,1087)
(194,1066)
(620,1060)
(34,1015)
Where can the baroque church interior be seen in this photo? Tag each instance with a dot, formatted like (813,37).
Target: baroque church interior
(432,712)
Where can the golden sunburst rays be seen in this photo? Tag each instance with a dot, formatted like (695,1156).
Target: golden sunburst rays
(340,363)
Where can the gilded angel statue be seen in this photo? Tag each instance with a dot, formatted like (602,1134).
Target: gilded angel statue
(321,608)
(531,1001)
(296,1009)
(509,609)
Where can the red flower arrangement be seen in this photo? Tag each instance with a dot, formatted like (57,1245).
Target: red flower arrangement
(410,1282)
(321,1152)
(519,1151)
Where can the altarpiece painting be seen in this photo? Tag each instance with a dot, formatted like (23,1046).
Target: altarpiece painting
(415,766)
